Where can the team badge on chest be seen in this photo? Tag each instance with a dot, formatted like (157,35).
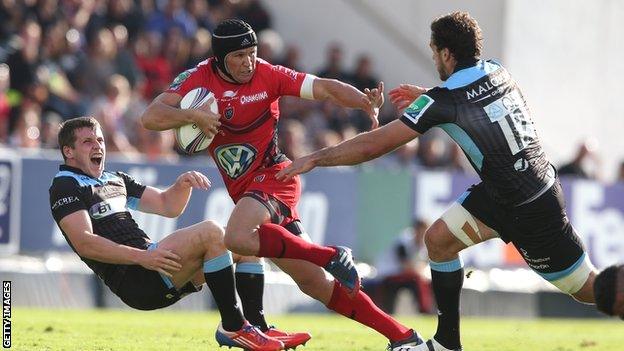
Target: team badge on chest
(229,112)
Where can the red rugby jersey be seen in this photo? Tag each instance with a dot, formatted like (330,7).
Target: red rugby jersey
(249,115)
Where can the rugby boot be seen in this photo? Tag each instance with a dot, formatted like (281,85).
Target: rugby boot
(290,340)
(430,345)
(413,343)
(342,267)
(248,338)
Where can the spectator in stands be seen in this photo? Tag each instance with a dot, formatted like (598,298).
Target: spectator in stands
(125,63)
(403,158)
(270,45)
(173,15)
(620,175)
(584,163)
(200,11)
(292,138)
(333,65)
(326,138)
(362,77)
(401,266)
(201,46)
(252,12)
(458,162)
(292,56)
(109,110)
(100,63)
(24,60)
(432,151)
(27,131)
(176,49)
(156,69)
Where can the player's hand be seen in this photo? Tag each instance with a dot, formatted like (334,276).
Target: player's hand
(194,179)
(301,165)
(403,95)
(161,260)
(205,119)
(374,100)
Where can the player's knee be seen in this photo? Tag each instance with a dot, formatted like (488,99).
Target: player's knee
(211,234)
(234,241)
(438,241)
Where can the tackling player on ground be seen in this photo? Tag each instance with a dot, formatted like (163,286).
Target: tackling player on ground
(264,222)
(519,200)
(90,206)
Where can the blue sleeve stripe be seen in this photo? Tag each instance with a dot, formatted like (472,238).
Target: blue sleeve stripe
(133,203)
(250,267)
(218,263)
(164,278)
(448,266)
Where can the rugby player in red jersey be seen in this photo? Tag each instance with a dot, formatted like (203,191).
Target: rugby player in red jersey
(265,222)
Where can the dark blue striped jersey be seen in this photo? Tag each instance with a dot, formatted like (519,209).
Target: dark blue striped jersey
(482,108)
(106,200)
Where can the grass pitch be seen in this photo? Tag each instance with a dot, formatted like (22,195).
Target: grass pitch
(37,329)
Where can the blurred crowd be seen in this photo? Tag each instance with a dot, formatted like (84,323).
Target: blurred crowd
(109,58)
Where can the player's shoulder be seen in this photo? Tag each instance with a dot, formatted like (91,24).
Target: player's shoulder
(437,94)
(265,67)
(66,182)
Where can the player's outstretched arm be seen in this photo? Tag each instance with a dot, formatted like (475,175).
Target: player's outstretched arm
(77,226)
(347,95)
(361,148)
(163,114)
(172,201)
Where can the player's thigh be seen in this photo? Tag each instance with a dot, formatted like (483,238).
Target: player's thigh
(247,216)
(310,278)
(192,245)
(456,230)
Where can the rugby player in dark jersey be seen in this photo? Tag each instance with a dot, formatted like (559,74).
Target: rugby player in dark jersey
(90,205)
(519,200)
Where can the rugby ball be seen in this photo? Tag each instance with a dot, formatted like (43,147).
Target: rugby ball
(189,137)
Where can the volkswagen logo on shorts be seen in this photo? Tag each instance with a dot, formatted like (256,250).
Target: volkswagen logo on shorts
(235,159)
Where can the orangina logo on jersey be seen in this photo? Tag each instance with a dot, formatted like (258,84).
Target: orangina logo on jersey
(235,159)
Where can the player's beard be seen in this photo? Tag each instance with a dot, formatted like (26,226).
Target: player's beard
(443,75)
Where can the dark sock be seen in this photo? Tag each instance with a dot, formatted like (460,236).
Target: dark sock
(364,311)
(250,288)
(447,279)
(219,276)
(276,241)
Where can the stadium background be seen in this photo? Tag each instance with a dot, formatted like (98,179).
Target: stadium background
(65,58)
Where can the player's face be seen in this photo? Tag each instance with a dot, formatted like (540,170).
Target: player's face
(439,62)
(241,64)
(89,151)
